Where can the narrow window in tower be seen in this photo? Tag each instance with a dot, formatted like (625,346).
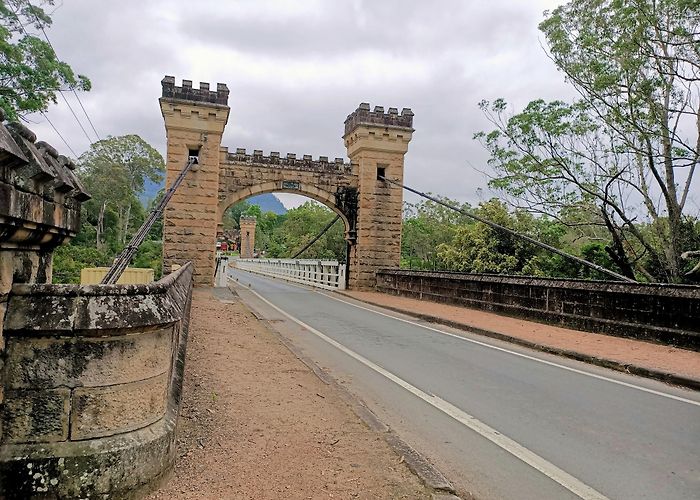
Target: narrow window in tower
(381,172)
(193,154)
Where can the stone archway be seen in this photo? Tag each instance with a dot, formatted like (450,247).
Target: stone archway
(371,209)
(324,197)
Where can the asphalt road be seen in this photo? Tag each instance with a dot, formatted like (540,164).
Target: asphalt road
(500,421)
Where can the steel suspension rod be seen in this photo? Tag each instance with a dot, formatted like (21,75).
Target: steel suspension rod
(494,225)
(124,258)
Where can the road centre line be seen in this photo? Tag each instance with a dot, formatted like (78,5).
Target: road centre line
(550,470)
(515,353)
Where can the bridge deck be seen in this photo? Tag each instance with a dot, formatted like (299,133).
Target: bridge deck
(606,349)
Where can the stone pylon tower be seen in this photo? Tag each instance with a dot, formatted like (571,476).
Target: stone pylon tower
(377,142)
(247,224)
(194,122)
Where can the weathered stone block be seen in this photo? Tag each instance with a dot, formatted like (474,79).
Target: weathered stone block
(105,411)
(106,312)
(41,312)
(31,416)
(89,362)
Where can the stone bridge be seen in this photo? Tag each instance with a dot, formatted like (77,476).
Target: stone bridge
(371,209)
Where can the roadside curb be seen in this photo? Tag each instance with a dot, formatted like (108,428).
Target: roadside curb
(670,378)
(418,465)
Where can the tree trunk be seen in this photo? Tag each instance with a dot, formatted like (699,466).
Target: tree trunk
(617,252)
(100,227)
(126,223)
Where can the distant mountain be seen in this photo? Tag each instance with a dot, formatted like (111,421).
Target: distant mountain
(150,191)
(267,202)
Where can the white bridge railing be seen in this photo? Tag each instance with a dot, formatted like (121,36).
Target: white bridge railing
(329,274)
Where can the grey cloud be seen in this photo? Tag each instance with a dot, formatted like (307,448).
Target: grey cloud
(438,60)
(399,26)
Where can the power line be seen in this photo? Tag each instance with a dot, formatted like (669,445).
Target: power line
(494,225)
(59,134)
(46,36)
(76,118)
(41,111)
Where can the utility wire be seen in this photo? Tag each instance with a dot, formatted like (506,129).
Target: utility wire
(46,36)
(323,231)
(494,225)
(90,141)
(59,134)
(42,112)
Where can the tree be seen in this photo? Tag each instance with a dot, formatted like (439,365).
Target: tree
(30,72)
(426,225)
(630,146)
(478,248)
(303,223)
(114,171)
(233,214)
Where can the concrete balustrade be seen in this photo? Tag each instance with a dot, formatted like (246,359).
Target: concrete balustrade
(328,274)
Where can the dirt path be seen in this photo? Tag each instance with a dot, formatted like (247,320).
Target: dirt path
(256,423)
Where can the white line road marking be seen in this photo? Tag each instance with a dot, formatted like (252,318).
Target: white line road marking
(526,356)
(550,470)
(502,349)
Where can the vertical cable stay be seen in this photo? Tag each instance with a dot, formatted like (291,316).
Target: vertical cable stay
(124,258)
(494,225)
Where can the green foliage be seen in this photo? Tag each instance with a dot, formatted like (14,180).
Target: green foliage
(281,236)
(69,259)
(426,226)
(233,214)
(625,154)
(114,172)
(479,248)
(136,159)
(30,72)
(150,255)
(302,224)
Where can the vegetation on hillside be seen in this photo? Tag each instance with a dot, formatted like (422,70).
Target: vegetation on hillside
(114,171)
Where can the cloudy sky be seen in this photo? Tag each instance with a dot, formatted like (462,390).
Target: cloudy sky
(295,69)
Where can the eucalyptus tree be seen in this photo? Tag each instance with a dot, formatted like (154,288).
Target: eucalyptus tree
(629,146)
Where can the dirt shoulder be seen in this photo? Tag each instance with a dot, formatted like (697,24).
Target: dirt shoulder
(256,422)
(649,356)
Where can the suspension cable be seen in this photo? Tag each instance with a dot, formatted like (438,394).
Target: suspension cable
(323,231)
(494,225)
(124,258)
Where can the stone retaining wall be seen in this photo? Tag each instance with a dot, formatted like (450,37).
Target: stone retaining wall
(657,312)
(92,382)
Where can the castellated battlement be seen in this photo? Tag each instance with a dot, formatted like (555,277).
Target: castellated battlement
(290,161)
(188,93)
(363,115)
